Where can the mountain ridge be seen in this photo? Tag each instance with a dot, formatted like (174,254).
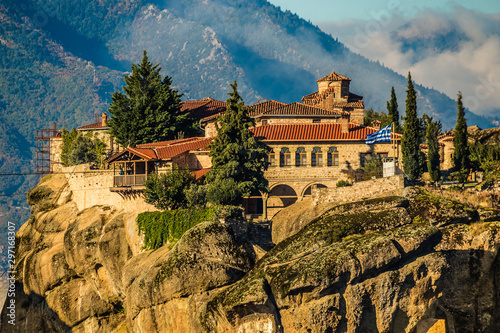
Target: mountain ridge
(49,47)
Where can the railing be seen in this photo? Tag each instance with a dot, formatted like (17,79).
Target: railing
(129,180)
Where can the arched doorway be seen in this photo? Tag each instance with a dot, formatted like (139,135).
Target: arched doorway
(280,196)
(307,190)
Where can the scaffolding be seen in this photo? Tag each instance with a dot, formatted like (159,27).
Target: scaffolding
(43,156)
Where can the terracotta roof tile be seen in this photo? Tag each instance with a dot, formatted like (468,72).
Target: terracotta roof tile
(266,106)
(312,132)
(353,101)
(302,110)
(256,109)
(164,143)
(177,149)
(200,173)
(92,126)
(334,77)
(144,152)
(165,149)
(203,108)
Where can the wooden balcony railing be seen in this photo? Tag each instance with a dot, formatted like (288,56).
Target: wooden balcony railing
(129,180)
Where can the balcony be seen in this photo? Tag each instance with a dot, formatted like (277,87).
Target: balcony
(129,180)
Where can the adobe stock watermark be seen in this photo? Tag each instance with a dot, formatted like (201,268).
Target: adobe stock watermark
(10,302)
(380,19)
(39,20)
(487,87)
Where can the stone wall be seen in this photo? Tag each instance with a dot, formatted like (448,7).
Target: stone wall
(91,187)
(358,191)
(55,153)
(295,120)
(349,160)
(199,160)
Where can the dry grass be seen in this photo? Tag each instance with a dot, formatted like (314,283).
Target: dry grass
(472,198)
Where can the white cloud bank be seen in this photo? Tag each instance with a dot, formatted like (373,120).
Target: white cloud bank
(467,60)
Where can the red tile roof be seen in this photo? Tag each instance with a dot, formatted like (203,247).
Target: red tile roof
(334,77)
(203,108)
(165,149)
(164,143)
(353,101)
(312,132)
(266,106)
(177,149)
(92,127)
(256,109)
(301,109)
(200,173)
(148,154)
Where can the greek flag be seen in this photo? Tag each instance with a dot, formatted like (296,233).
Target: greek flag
(382,135)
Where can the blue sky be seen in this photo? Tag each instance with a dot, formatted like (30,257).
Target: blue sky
(335,10)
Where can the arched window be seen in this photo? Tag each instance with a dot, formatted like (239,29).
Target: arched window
(285,157)
(333,156)
(317,157)
(300,157)
(272,160)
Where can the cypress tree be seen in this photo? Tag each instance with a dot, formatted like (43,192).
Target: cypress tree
(148,111)
(461,154)
(432,131)
(237,157)
(392,111)
(410,142)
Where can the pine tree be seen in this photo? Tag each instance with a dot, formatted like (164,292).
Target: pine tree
(412,161)
(432,131)
(392,111)
(461,154)
(148,111)
(236,154)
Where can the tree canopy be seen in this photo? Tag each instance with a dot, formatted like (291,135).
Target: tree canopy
(237,156)
(461,154)
(392,111)
(149,110)
(412,160)
(433,129)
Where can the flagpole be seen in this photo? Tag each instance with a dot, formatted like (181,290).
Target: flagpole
(393,143)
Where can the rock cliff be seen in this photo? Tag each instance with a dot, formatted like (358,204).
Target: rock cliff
(417,263)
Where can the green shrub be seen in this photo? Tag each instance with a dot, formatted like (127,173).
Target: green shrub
(224,192)
(343,183)
(169,226)
(167,190)
(78,148)
(196,195)
(372,167)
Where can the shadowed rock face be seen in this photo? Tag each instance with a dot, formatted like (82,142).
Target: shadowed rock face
(382,265)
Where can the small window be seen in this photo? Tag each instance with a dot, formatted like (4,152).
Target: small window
(317,157)
(300,157)
(272,160)
(264,121)
(285,157)
(362,159)
(316,121)
(333,157)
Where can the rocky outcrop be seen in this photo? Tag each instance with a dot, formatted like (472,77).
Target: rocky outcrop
(79,273)
(417,263)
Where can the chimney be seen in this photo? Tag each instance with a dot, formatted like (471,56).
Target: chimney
(376,123)
(104,118)
(344,125)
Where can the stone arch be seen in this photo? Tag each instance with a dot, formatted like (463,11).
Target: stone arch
(280,196)
(307,189)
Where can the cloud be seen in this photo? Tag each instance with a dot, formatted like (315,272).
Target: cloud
(451,52)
